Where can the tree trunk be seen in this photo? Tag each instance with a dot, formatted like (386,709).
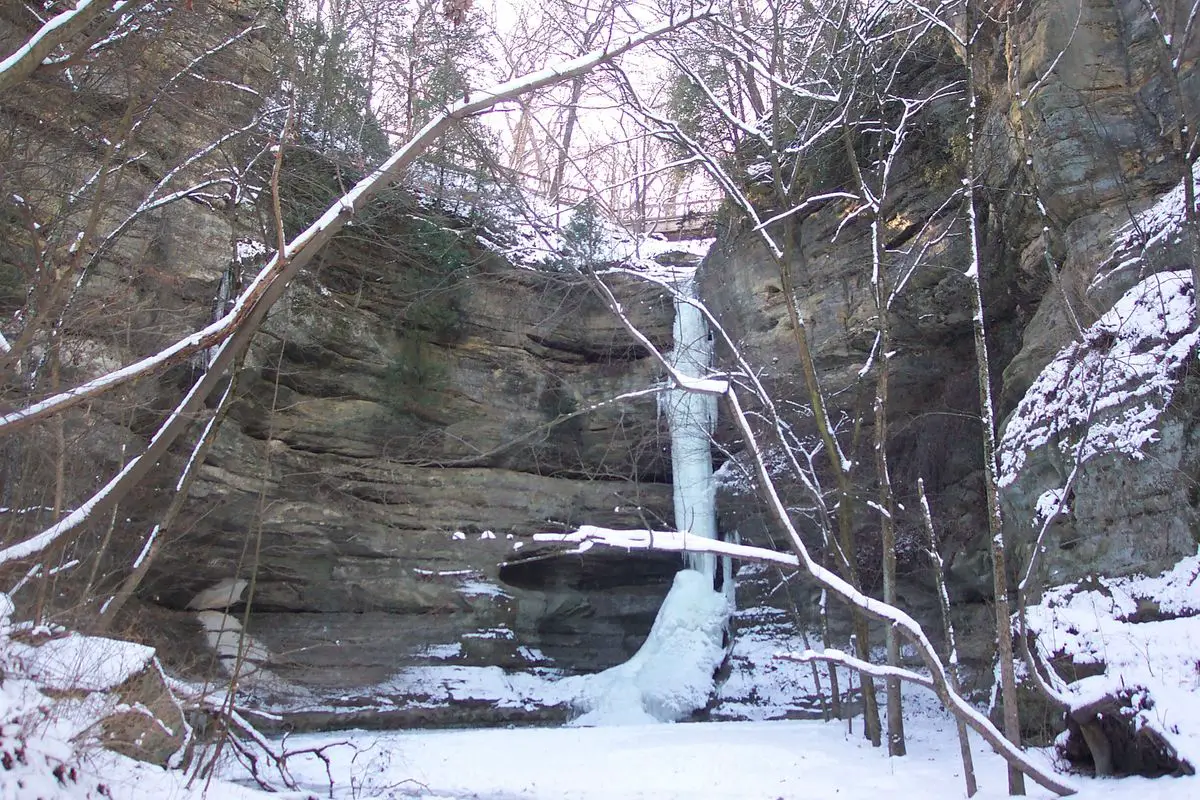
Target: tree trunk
(987,415)
(939,578)
(564,152)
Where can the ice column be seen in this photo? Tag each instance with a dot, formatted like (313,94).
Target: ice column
(671,675)
(692,416)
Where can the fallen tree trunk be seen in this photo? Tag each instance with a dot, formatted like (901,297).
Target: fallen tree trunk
(1108,732)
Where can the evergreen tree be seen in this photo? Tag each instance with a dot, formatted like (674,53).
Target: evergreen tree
(331,93)
(583,239)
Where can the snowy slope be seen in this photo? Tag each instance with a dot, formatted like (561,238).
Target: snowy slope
(1142,634)
(1106,393)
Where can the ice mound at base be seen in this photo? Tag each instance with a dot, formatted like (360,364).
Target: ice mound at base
(672,674)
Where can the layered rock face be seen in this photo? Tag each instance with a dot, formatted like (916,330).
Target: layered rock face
(933,393)
(1094,121)
(366,490)
(1076,116)
(412,411)
(116,231)
(1079,111)
(375,447)
(1102,139)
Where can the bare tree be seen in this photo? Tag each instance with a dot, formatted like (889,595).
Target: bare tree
(98,192)
(1177,44)
(842,86)
(229,335)
(968,39)
(806,103)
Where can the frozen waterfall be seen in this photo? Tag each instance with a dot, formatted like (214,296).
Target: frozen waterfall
(692,416)
(671,675)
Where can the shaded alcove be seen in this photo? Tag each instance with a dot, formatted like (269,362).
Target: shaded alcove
(587,612)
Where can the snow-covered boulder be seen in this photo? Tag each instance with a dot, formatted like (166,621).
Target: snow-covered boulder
(92,689)
(1126,649)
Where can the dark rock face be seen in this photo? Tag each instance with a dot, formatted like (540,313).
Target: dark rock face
(1087,137)
(387,502)
(1089,134)
(1098,456)
(411,413)
(1097,132)
(151,254)
(370,477)
(933,391)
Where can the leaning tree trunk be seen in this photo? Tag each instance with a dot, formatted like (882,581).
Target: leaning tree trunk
(987,415)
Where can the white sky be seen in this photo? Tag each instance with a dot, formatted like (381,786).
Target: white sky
(608,134)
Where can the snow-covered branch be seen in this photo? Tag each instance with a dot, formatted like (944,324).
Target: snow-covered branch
(234,331)
(588,536)
(154,199)
(58,29)
(832,656)
(804,205)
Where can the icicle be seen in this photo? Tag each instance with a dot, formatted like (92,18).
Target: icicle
(692,417)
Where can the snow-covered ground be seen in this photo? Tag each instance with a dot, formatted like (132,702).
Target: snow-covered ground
(785,759)
(794,759)
(751,760)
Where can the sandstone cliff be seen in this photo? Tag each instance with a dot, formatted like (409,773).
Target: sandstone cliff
(412,412)
(1081,200)
(412,404)
(1077,117)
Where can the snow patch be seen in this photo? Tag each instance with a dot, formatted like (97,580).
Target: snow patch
(1156,228)
(440,685)
(1049,505)
(221,595)
(442,652)
(763,687)
(84,663)
(1144,632)
(247,250)
(55,695)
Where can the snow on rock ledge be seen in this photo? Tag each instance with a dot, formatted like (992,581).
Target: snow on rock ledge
(64,695)
(1105,394)
(1119,396)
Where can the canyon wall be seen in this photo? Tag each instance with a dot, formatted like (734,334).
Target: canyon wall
(417,407)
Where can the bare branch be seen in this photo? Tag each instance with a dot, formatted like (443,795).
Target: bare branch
(831,656)
(233,332)
(57,30)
